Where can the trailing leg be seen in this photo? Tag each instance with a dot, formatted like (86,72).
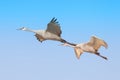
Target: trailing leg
(98,54)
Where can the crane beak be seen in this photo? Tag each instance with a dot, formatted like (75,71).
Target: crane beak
(64,44)
(20,28)
(61,45)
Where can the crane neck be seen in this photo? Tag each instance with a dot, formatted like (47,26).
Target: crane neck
(30,30)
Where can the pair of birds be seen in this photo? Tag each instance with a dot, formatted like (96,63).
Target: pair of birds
(53,32)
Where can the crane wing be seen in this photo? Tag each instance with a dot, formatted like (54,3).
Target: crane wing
(54,27)
(96,43)
(39,38)
(78,52)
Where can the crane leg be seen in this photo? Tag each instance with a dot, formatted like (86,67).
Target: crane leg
(98,54)
(64,41)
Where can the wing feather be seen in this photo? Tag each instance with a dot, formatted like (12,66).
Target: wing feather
(78,52)
(96,43)
(39,38)
(54,27)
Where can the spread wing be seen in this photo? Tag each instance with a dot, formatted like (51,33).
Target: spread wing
(78,52)
(96,43)
(54,27)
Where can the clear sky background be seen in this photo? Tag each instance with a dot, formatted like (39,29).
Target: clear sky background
(22,57)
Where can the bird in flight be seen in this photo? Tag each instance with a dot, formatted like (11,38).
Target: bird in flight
(53,32)
(92,47)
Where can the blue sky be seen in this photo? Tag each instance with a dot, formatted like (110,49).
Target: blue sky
(22,57)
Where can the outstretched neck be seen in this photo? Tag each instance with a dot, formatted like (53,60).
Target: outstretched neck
(29,30)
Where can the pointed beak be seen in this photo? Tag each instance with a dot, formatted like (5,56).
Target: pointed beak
(19,29)
(61,45)
(64,44)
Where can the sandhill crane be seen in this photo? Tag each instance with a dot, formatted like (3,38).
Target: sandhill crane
(53,32)
(92,46)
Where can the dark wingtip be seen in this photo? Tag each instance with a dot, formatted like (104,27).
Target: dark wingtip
(52,19)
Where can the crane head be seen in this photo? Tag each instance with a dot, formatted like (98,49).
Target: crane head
(65,44)
(23,28)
